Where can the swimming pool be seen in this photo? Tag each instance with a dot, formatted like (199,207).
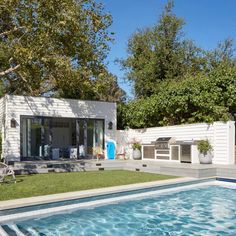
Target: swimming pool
(199,209)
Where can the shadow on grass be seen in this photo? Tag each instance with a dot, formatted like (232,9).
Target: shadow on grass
(11,181)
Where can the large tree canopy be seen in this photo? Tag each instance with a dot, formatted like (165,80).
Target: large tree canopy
(198,98)
(175,81)
(160,53)
(53,46)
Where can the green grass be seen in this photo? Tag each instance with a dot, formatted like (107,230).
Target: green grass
(43,184)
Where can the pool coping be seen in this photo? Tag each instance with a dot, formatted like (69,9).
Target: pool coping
(193,182)
(3,232)
(30,201)
(96,203)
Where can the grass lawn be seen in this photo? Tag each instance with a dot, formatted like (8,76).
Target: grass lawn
(43,184)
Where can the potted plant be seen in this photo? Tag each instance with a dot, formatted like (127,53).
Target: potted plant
(205,151)
(136,146)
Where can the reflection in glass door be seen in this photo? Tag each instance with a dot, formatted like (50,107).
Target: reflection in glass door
(46,137)
(90,136)
(39,135)
(99,137)
(35,137)
(81,130)
(31,137)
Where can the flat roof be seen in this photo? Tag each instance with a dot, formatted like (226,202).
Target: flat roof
(69,99)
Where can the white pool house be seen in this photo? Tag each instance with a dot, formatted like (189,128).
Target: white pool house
(35,128)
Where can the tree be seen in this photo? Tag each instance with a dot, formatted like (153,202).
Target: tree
(53,46)
(107,89)
(199,98)
(175,81)
(160,53)
(224,52)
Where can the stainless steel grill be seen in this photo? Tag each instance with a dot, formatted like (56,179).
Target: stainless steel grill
(163,143)
(162,148)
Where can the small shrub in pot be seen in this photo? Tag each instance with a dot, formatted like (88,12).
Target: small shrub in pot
(205,151)
(136,146)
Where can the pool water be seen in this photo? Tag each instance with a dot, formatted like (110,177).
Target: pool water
(97,197)
(204,211)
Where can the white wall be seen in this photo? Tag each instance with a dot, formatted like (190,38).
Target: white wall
(1,112)
(52,107)
(2,118)
(221,136)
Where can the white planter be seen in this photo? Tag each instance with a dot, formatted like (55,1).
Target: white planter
(136,154)
(205,158)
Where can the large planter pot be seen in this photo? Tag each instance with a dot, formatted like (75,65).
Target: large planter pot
(136,154)
(205,158)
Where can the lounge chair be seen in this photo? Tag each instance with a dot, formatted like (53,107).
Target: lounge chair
(5,171)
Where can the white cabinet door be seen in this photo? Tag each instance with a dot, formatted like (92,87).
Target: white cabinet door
(175,152)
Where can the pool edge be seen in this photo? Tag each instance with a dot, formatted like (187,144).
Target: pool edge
(37,200)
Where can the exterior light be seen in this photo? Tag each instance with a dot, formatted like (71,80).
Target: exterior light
(110,125)
(13,123)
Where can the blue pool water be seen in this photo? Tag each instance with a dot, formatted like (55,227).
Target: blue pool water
(203,211)
(98,197)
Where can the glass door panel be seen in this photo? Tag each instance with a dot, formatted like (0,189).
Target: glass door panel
(82,137)
(90,137)
(47,137)
(35,137)
(33,145)
(99,136)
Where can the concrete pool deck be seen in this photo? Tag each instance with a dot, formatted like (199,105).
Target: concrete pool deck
(159,167)
(22,202)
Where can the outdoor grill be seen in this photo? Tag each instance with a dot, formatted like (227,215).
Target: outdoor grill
(162,147)
(163,143)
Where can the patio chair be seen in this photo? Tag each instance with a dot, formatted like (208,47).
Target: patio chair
(98,153)
(5,171)
(121,153)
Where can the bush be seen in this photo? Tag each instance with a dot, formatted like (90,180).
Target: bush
(136,146)
(204,146)
(202,98)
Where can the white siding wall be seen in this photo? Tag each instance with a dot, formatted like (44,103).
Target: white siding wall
(1,112)
(220,135)
(52,107)
(2,104)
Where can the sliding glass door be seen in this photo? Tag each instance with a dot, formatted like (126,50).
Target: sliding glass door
(35,137)
(91,136)
(41,135)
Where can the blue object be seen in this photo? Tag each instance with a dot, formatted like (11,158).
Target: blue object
(111,150)
(181,213)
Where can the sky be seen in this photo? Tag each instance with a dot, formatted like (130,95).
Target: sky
(207,22)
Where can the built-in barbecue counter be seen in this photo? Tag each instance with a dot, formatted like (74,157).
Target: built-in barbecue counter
(170,149)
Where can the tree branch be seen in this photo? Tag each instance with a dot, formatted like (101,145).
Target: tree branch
(10,31)
(9,70)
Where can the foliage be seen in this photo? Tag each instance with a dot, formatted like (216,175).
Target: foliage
(176,82)
(55,48)
(135,143)
(204,146)
(106,88)
(136,146)
(121,115)
(199,98)
(43,184)
(160,53)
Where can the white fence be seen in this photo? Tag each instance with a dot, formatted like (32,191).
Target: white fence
(220,134)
